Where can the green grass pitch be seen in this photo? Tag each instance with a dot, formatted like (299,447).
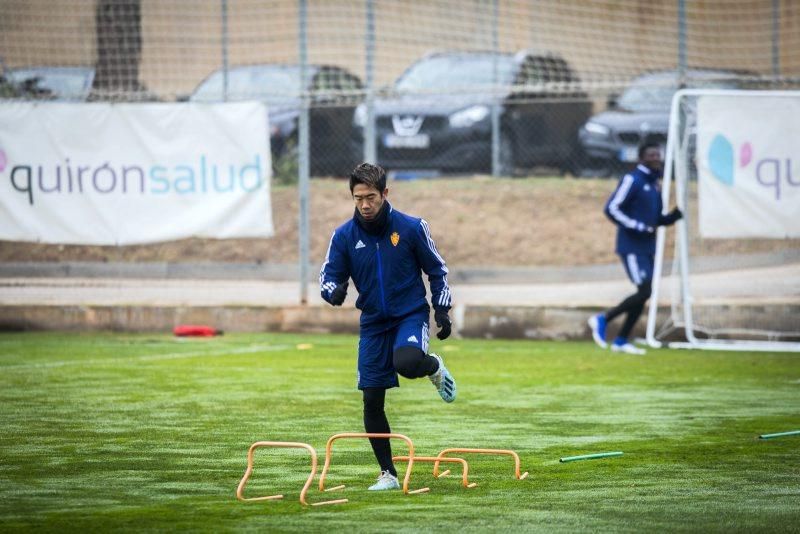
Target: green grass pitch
(109,432)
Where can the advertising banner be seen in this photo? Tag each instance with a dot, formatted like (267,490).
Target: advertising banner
(748,164)
(122,174)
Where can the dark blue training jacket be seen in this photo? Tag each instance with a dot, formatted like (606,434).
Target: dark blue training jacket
(635,207)
(386,269)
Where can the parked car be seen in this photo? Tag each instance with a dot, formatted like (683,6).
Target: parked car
(50,82)
(437,115)
(610,139)
(335,94)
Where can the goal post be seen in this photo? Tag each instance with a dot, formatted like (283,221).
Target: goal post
(728,278)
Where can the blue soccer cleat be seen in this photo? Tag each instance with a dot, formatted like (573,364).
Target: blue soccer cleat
(597,323)
(444,381)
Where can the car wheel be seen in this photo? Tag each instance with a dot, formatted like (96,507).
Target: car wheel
(595,168)
(575,162)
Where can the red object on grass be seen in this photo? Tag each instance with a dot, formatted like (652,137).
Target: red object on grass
(198,330)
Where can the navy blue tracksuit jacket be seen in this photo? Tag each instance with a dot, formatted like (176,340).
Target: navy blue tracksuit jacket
(386,270)
(635,207)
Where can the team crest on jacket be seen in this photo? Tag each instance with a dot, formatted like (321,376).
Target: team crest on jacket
(395,237)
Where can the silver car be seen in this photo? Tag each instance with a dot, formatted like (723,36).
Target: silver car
(610,139)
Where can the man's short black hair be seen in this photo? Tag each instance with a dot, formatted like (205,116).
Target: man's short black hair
(369,175)
(645,145)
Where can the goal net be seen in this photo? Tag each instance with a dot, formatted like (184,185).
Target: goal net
(729,277)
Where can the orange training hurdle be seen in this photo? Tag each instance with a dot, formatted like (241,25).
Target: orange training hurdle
(287,444)
(329,446)
(513,454)
(464,466)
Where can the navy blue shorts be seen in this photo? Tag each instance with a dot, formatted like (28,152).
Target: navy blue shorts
(375,352)
(639,267)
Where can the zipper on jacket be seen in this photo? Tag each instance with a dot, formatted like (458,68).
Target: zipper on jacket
(380,277)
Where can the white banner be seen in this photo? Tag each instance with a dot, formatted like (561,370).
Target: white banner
(748,163)
(121,174)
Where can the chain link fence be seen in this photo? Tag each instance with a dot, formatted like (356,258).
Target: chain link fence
(507,87)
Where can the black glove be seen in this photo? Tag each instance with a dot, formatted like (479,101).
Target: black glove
(671,217)
(338,294)
(443,322)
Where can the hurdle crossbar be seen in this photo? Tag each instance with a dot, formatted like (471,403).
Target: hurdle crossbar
(350,435)
(513,454)
(464,466)
(285,444)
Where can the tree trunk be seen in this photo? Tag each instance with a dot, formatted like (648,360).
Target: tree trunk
(119,50)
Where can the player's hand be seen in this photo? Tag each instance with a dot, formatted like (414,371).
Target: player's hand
(670,218)
(443,322)
(338,294)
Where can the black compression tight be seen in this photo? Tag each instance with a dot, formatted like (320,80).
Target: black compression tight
(375,422)
(633,306)
(411,362)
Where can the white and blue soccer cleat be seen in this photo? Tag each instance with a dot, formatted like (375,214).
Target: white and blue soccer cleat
(597,323)
(386,481)
(444,381)
(623,345)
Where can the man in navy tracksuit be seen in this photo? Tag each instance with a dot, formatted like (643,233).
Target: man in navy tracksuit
(635,207)
(384,252)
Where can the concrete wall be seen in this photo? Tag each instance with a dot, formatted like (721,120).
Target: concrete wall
(491,322)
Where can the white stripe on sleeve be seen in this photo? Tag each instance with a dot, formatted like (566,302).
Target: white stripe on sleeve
(619,197)
(432,245)
(322,283)
(444,297)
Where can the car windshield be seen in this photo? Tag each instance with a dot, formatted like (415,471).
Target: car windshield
(645,98)
(62,82)
(272,83)
(655,94)
(447,73)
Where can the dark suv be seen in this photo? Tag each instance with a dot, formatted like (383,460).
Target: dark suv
(334,91)
(437,116)
(610,139)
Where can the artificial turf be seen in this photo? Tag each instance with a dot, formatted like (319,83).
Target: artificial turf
(109,432)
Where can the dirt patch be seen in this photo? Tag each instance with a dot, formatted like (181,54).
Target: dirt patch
(480,221)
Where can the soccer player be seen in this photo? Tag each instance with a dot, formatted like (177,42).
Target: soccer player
(385,252)
(635,207)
